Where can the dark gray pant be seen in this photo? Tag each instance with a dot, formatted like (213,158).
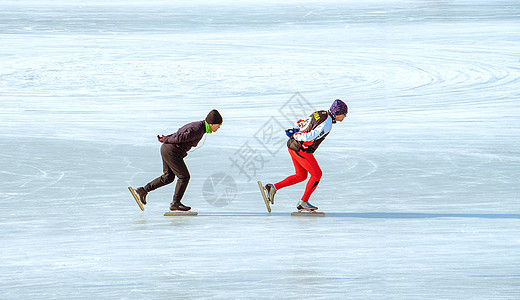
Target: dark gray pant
(173,165)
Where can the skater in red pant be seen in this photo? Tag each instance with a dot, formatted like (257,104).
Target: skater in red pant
(303,141)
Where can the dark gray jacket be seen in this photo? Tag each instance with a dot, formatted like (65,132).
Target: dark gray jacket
(187,137)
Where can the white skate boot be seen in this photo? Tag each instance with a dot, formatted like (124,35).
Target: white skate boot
(271,191)
(306,206)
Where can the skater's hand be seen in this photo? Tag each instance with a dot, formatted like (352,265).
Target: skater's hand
(290,132)
(160,138)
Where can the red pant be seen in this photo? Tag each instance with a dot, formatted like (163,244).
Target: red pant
(304,163)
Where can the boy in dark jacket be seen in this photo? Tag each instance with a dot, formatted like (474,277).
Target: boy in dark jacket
(303,141)
(173,150)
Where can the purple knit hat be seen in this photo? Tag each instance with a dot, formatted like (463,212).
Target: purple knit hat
(338,107)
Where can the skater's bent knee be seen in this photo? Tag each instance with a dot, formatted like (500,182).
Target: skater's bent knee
(184,178)
(167,179)
(301,177)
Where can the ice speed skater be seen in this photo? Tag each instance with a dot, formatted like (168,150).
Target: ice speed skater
(173,150)
(303,141)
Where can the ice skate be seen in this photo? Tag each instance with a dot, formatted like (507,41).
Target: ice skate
(307,209)
(137,198)
(141,192)
(179,209)
(179,206)
(306,206)
(264,196)
(270,191)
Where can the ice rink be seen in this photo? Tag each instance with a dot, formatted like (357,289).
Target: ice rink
(421,183)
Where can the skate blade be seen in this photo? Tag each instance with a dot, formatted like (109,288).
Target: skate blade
(180,213)
(136,198)
(308,213)
(262,191)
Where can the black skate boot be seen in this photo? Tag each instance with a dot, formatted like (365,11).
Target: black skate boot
(306,206)
(270,191)
(142,195)
(179,206)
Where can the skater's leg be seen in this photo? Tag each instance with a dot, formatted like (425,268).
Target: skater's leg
(180,169)
(299,176)
(311,165)
(168,175)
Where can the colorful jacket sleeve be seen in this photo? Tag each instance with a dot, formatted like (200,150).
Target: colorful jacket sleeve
(314,134)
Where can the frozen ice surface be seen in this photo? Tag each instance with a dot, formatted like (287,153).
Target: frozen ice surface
(421,181)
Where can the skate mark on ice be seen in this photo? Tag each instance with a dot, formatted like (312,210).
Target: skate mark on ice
(371,215)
